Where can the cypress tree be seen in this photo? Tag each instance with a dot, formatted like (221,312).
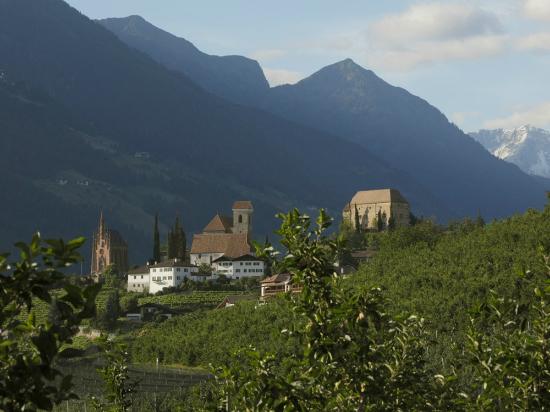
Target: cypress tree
(380,221)
(391,223)
(357,221)
(156,240)
(177,242)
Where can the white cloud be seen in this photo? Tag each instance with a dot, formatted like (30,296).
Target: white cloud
(537,9)
(432,32)
(268,54)
(538,116)
(433,52)
(276,77)
(435,21)
(538,42)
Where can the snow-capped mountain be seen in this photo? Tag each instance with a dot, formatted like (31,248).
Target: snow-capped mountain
(526,146)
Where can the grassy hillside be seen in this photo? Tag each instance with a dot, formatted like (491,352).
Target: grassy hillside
(435,272)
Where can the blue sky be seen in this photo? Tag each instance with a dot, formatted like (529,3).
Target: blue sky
(484,63)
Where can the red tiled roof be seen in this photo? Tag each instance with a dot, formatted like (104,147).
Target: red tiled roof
(229,244)
(219,224)
(243,205)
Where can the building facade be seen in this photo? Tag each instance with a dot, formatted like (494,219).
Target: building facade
(170,273)
(368,205)
(240,267)
(108,248)
(138,279)
(224,236)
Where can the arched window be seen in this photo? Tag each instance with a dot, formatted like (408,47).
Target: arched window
(240,218)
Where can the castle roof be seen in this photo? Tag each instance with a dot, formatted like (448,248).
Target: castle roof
(243,205)
(229,244)
(378,196)
(218,224)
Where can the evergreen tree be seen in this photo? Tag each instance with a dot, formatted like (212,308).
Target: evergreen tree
(156,240)
(177,242)
(391,223)
(413,220)
(171,245)
(479,220)
(109,316)
(357,221)
(380,221)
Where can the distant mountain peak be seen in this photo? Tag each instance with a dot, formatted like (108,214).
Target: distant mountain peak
(526,146)
(344,75)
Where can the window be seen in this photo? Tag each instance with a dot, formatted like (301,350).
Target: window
(178,278)
(135,277)
(178,269)
(240,218)
(244,270)
(238,271)
(169,277)
(154,270)
(186,270)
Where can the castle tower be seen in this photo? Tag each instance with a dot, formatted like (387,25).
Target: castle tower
(242,217)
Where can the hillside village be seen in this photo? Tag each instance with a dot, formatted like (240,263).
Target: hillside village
(224,250)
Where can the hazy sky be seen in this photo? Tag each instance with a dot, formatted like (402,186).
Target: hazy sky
(484,63)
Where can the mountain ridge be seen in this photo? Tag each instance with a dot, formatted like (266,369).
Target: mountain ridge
(233,77)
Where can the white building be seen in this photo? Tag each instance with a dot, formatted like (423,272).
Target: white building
(240,267)
(138,279)
(170,273)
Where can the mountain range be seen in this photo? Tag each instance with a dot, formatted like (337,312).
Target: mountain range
(121,116)
(526,146)
(354,104)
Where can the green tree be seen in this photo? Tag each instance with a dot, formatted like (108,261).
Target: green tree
(391,223)
(111,277)
(357,221)
(29,379)
(108,317)
(380,221)
(480,222)
(55,316)
(177,242)
(118,385)
(352,356)
(129,303)
(508,349)
(156,240)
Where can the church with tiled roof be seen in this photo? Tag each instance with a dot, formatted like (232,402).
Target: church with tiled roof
(224,236)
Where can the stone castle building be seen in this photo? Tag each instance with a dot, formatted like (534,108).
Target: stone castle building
(368,203)
(224,236)
(108,248)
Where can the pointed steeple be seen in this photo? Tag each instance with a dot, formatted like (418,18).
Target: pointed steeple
(101,228)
